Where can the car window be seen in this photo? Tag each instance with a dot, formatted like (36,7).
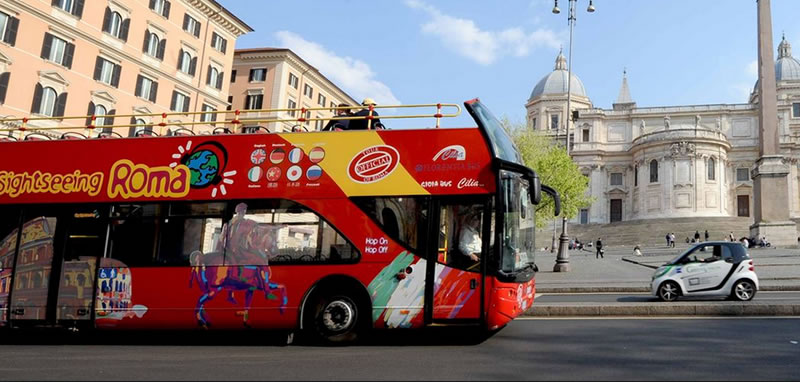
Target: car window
(739,252)
(727,255)
(702,253)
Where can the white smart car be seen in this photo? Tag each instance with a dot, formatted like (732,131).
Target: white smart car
(715,268)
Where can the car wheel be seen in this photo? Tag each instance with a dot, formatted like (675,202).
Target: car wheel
(669,291)
(336,319)
(743,290)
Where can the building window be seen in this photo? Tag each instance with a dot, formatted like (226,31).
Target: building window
(293,80)
(115,24)
(742,174)
(796,110)
(318,125)
(653,171)
(554,121)
(8,28)
(75,7)
(99,113)
(230,103)
(46,101)
(258,75)
(292,105)
(107,72)
(253,101)
(211,117)
(585,135)
(153,45)
(146,88)
(711,168)
(161,7)
(218,43)
(48,104)
(57,50)
(187,63)
(636,176)
(233,75)
(616,179)
(214,78)
(180,102)
(321,99)
(307,116)
(190,25)
(308,91)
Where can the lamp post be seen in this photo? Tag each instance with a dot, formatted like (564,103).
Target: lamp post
(562,259)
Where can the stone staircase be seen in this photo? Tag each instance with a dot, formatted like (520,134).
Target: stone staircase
(650,232)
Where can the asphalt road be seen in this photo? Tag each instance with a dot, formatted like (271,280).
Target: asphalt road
(547,298)
(528,349)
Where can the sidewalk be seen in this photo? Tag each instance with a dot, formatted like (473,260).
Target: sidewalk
(622,272)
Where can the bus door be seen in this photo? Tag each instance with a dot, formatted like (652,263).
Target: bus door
(457,274)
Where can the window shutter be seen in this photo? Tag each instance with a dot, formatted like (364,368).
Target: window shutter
(233,75)
(116,75)
(123,32)
(47,45)
(185,104)
(167,6)
(173,101)
(219,80)
(77,9)
(185,21)
(224,45)
(61,104)
(89,114)
(11,31)
(107,20)
(109,118)
(213,39)
(37,99)
(193,66)
(252,74)
(98,68)
(161,47)
(69,52)
(132,129)
(247,102)
(180,59)
(208,75)
(197,29)
(153,92)
(4,86)
(146,40)
(54,3)
(153,7)
(138,91)
(259,101)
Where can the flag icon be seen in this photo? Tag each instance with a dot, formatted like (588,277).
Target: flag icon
(316,155)
(294,173)
(255,174)
(273,174)
(258,156)
(277,156)
(314,172)
(296,155)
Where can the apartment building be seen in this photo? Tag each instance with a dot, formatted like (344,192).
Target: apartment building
(113,57)
(273,78)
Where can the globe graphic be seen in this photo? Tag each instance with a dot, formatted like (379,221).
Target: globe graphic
(203,166)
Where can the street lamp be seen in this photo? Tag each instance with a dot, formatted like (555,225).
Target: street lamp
(562,259)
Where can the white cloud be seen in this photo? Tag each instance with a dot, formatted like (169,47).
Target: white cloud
(484,47)
(752,69)
(352,75)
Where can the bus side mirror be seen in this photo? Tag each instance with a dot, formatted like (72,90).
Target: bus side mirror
(536,190)
(556,199)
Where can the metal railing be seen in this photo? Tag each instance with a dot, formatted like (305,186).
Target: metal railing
(233,118)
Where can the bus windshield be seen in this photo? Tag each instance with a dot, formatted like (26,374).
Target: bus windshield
(518,223)
(502,144)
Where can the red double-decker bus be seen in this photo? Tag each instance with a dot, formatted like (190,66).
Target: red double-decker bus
(332,233)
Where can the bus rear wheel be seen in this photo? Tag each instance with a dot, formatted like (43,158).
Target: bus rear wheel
(337,319)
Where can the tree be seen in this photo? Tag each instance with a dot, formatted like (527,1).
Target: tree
(555,169)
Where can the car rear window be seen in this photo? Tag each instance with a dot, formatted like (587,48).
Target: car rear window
(739,252)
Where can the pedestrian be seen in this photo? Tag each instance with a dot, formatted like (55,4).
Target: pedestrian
(599,246)
(734,239)
(696,236)
(637,251)
(672,239)
(667,237)
(706,235)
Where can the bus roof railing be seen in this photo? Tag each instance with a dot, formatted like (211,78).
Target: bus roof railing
(238,117)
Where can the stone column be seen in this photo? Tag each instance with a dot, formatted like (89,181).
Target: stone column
(770,181)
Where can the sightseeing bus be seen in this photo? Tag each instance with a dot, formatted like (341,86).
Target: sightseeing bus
(330,233)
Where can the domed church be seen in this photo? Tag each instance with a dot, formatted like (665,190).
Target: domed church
(672,161)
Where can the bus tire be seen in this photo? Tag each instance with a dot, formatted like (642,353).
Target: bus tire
(337,319)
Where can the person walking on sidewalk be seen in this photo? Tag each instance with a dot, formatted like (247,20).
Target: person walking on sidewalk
(667,237)
(672,239)
(696,236)
(734,239)
(599,246)
(706,235)
(637,251)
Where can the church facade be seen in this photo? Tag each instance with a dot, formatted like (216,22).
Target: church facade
(673,161)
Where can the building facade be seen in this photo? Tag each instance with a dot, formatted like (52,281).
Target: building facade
(673,161)
(113,58)
(272,78)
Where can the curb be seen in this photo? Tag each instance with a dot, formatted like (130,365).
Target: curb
(664,309)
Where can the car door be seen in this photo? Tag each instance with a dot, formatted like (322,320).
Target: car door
(706,269)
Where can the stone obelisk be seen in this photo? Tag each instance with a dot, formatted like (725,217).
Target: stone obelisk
(770,174)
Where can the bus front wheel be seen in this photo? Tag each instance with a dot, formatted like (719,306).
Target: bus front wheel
(336,319)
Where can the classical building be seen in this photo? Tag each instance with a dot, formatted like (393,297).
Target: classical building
(272,78)
(113,57)
(671,161)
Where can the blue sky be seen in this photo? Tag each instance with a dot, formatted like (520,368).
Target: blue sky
(676,52)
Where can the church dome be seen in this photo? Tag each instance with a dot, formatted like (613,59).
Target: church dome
(787,68)
(556,81)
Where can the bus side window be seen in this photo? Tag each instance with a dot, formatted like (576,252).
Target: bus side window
(403,219)
(461,225)
(134,233)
